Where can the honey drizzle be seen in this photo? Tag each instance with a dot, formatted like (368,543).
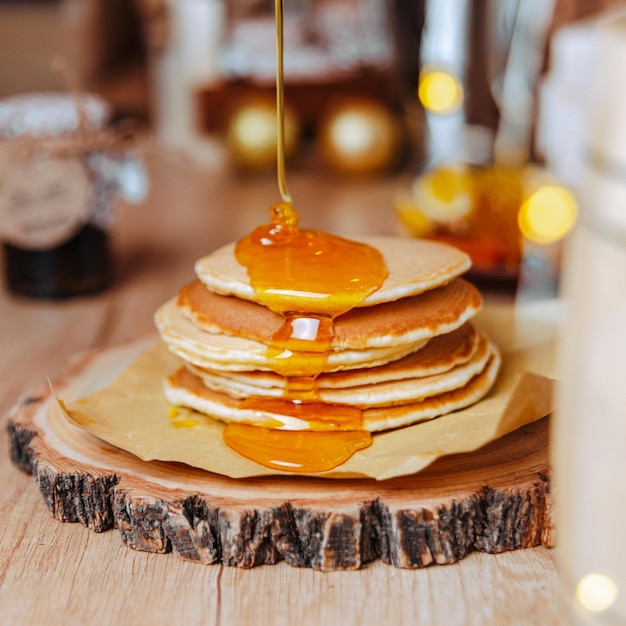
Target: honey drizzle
(295,451)
(280,102)
(309,278)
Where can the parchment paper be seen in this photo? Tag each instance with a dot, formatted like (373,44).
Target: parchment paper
(132,413)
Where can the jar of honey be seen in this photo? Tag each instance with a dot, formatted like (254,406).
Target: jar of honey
(60,177)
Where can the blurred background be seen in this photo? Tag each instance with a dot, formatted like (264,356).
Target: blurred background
(483,123)
(477,105)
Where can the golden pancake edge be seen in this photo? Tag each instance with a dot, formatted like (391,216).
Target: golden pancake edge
(408,354)
(414,266)
(185,389)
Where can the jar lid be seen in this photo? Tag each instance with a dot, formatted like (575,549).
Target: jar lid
(43,115)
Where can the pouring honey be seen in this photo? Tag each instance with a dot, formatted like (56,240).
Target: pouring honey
(309,278)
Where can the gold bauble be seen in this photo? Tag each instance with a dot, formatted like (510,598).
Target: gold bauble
(359,136)
(252,133)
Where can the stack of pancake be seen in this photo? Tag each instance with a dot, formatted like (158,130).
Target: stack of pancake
(407,353)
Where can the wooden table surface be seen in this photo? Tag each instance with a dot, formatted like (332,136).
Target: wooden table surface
(55,573)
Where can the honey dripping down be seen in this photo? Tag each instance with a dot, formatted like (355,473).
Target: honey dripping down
(308,277)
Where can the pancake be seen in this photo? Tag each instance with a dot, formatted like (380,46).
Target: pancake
(414,266)
(440,354)
(184,389)
(227,352)
(386,418)
(404,354)
(386,393)
(411,319)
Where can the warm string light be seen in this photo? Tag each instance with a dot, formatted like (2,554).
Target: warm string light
(280,103)
(547,214)
(439,91)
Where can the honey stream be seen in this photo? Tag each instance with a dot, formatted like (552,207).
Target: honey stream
(310,278)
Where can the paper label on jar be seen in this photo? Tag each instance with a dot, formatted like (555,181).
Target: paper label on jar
(43,201)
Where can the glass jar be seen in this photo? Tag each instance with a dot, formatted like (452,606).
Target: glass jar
(59,182)
(589,434)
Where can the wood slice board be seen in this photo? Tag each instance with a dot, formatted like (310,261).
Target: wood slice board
(492,500)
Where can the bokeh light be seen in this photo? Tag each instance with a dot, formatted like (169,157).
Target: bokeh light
(413,219)
(354,132)
(252,133)
(444,193)
(359,136)
(439,91)
(596,592)
(548,214)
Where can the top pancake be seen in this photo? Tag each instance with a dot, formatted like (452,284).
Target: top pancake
(414,266)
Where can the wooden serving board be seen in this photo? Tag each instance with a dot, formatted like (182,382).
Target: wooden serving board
(492,500)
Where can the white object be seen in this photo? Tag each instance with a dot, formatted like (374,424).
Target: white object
(567,92)
(589,436)
(189,61)
(445,44)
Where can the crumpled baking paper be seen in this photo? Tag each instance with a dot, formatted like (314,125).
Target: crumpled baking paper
(124,406)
